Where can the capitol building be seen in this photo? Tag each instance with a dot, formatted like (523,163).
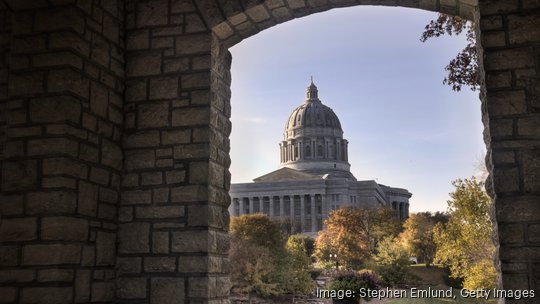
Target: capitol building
(314,177)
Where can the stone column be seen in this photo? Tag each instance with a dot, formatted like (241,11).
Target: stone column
(241,207)
(281,207)
(271,203)
(251,205)
(291,207)
(61,126)
(302,212)
(313,214)
(261,204)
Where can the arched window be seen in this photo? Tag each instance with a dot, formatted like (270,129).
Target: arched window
(308,152)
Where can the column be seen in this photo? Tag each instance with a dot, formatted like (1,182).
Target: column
(241,207)
(251,205)
(313,213)
(261,204)
(281,207)
(291,207)
(324,207)
(302,212)
(271,202)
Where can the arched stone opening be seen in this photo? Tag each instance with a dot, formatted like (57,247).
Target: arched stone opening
(115,125)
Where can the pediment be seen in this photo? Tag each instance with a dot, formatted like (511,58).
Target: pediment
(285,174)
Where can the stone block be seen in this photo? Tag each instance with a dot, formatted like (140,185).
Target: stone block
(64,166)
(142,139)
(105,248)
(164,87)
(190,116)
(522,29)
(530,160)
(176,65)
(9,256)
(99,175)
(16,275)
(134,238)
(68,40)
(9,295)
(55,109)
(46,295)
(102,292)
(524,208)
(159,212)
(190,264)
(51,203)
(160,195)
(152,13)
(162,42)
(533,233)
(51,146)
(67,80)
(48,60)
(138,40)
(198,172)
(175,177)
(511,234)
(191,193)
(139,159)
(193,44)
(195,81)
(160,242)
(88,153)
(529,126)
(172,137)
(153,115)
(26,84)
(507,102)
(82,286)
(506,180)
(258,13)
(108,195)
(55,275)
(144,64)
(194,23)
(159,264)
(494,39)
(19,175)
(51,254)
(167,291)
(11,204)
(99,99)
(88,196)
(131,288)
(200,287)
(506,59)
(190,241)
(64,229)
(137,197)
(111,154)
(128,265)
(135,90)
(184,152)
(151,178)
(501,127)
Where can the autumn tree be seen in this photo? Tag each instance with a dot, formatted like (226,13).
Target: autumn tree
(261,261)
(417,237)
(392,262)
(300,248)
(353,234)
(463,69)
(464,243)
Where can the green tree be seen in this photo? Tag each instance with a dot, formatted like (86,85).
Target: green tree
(299,279)
(301,243)
(392,262)
(464,243)
(463,69)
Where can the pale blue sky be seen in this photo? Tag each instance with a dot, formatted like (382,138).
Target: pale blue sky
(405,128)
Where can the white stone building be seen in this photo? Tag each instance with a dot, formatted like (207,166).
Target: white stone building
(315,176)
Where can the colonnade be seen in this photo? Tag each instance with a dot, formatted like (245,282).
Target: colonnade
(306,209)
(401,209)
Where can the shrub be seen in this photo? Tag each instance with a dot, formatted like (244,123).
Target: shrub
(353,280)
(392,262)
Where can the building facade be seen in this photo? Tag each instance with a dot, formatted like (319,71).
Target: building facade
(315,176)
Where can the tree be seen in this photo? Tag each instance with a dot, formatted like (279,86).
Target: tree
(251,268)
(353,234)
(417,237)
(463,69)
(464,242)
(392,262)
(299,279)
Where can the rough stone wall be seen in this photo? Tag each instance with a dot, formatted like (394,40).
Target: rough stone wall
(62,157)
(511,113)
(173,215)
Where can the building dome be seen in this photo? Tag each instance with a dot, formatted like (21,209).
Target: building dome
(313,139)
(312,113)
